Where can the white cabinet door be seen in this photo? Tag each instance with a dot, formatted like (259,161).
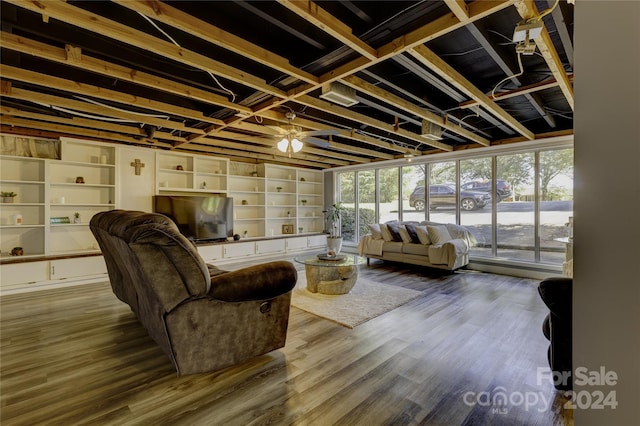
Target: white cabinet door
(298,243)
(317,241)
(14,274)
(212,252)
(270,246)
(239,250)
(78,267)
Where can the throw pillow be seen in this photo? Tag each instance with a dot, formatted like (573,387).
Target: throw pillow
(376,232)
(404,234)
(386,235)
(423,235)
(411,229)
(394,230)
(439,234)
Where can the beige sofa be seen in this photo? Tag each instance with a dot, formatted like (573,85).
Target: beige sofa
(436,245)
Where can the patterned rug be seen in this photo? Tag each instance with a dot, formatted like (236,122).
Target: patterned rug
(367,300)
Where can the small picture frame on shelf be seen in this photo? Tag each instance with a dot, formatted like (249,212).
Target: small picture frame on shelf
(287,229)
(59,220)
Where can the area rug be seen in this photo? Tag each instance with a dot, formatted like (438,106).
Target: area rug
(367,300)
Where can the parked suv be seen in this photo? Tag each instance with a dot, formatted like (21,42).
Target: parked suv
(503,189)
(444,195)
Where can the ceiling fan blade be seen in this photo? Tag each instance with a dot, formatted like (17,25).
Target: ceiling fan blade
(321,133)
(317,142)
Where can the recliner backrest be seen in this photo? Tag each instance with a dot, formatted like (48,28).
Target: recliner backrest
(147,252)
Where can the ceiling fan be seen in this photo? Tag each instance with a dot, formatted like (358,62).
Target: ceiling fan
(292,137)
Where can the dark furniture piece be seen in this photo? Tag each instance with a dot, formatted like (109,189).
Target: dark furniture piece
(203,318)
(556,293)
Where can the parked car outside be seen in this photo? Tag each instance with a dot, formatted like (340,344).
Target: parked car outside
(503,189)
(443,195)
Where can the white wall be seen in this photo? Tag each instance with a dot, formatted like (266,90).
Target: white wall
(135,189)
(606,299)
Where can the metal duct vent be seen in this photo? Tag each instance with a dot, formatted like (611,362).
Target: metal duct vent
(339,94)
(431,131)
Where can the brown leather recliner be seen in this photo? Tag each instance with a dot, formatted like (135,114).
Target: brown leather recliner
(556,293)
(203,318)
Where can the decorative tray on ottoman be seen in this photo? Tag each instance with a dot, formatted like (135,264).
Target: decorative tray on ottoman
(335,258)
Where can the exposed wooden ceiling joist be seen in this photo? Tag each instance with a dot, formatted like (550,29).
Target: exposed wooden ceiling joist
(376,129)
(444,70)
(528,10)
(75,57)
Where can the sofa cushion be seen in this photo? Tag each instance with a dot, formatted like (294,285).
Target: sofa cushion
(386,235)
(438,234)
(394,230)
(392,247)
(376,232)
(413,233)
(423,235)
(404,234)
(419,249)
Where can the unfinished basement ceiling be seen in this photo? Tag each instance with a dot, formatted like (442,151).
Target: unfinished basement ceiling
(219,77)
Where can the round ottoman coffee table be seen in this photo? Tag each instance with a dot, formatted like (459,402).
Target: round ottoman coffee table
(331,276)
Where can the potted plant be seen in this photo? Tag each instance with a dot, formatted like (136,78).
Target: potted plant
(279,188)
(76,217)
(7,197)
(303,202)
(334,240)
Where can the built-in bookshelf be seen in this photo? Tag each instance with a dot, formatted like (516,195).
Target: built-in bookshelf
(56,198)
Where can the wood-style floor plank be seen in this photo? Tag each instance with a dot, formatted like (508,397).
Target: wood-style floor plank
(77,355)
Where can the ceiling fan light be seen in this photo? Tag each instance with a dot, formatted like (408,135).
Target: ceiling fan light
(296,145)
(283,145)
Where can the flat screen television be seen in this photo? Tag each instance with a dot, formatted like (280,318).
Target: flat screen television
(198,217)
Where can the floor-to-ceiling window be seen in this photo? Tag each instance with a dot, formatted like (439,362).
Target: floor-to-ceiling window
(517,204)
(413,178)
(476,180)
(515,222)
(347,191)
(388,200)
(441,197)
(555,195)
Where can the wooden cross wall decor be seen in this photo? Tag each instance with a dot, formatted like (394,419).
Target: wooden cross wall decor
(138,165)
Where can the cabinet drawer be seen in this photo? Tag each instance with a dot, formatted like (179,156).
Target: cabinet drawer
(23,273)
(239,250)
(317,241)
(210,252)
(299,243)
(78,267)
(270,246)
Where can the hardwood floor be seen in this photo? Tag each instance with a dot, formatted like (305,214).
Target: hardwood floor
(77,355)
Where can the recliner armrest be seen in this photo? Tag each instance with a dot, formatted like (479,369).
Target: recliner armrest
(258,282)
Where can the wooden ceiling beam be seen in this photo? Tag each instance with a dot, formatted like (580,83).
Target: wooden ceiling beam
(78,88)
(237,155)
(459,8)
(87,108)
(183,21)
(271,150)
(398,102)
(361,118)
(61,129)
(73,56)
(528,10)
(427,57)
(88,123)
(346,134)
(531,88)
(81,18)
(317,16)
